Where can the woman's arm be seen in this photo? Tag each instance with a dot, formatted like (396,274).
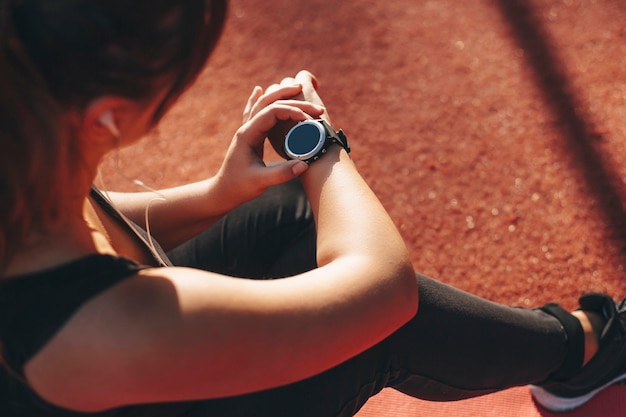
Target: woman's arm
(172,334)
(177,214)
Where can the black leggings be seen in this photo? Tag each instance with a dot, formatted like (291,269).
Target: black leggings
(457,346)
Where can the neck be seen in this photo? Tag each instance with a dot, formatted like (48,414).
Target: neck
(70,237)
(42,250)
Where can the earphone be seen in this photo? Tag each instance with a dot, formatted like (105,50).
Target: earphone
(107,120)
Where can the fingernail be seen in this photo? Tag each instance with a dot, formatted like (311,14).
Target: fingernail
(321,109)
(299,168)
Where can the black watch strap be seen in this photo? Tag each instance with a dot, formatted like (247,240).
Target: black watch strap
(337,137)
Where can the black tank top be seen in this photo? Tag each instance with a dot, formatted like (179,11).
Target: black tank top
(34,307)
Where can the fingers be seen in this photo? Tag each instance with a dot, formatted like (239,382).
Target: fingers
(282,172)
(301,87)
(257,92)
(287,81)
(271,95)
(256,129)
(309,90)
(269,114)
(309,86)
(305,77)
(260,176)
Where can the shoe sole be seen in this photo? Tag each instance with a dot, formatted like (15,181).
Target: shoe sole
(558,404)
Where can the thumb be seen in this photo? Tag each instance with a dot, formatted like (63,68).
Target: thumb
(283,171)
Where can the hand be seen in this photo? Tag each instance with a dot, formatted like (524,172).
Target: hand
(302,88)
(243,174)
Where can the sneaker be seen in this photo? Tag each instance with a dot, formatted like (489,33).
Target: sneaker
(606,368)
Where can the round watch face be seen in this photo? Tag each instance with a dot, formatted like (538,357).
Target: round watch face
(305,140)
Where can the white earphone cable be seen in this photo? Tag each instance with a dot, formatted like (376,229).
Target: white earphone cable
(109,123)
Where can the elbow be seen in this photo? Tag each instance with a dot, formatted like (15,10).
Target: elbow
(401,300)
(408,295)
(401,297)
(405,282)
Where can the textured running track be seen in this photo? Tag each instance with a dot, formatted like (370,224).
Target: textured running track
(492,130)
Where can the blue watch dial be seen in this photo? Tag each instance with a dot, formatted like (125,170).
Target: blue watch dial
(305,140)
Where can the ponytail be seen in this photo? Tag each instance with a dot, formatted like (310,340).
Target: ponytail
(29,154)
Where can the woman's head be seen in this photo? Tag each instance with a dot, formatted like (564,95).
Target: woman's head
(88,48)
(61,55)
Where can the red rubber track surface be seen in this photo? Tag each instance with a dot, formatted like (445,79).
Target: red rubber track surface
(492,130)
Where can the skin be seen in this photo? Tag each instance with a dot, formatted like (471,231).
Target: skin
(592,324)
(172,334)
(175,334)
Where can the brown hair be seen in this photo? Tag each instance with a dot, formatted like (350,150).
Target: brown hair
(61,54)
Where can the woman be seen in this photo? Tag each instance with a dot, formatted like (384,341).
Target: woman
(96,320)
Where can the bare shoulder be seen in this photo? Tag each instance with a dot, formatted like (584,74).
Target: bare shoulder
(176,334)
(136,340)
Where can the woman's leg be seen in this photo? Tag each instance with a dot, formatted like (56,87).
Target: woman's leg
(457,346)
(460,345)
(270,237)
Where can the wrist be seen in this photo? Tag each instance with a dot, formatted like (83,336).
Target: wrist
(335,162)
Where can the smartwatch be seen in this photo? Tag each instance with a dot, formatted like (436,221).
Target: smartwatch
(309,140)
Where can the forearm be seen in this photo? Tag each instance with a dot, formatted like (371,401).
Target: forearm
(353,224)
(176,214)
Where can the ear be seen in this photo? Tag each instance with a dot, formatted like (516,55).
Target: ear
(102,117)
(108,120)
